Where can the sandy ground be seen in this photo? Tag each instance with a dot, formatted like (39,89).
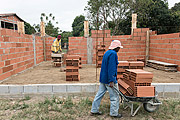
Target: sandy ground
(45,73)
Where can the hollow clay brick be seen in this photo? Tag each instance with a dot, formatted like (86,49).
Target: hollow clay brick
(144,91)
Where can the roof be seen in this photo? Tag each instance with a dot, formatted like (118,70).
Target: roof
(11,14)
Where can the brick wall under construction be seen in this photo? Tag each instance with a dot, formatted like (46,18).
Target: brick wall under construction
(164,47)
(17,52)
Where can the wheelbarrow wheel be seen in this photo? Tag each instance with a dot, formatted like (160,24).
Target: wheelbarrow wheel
(149,107)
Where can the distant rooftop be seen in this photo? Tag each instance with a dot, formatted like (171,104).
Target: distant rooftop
(11,14)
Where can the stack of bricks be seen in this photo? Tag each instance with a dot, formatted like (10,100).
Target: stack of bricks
(75,57)
(72,68)
(140,82)
(136,65)
(100,53)
(142,60)
(123,65)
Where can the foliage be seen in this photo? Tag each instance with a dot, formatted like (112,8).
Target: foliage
(176,7)
(54,108)
(78,26)
(29,29)
(50,23)
(107,14)
(65,36)
(116,15)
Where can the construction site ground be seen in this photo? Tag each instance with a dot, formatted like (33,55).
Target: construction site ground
(46,73)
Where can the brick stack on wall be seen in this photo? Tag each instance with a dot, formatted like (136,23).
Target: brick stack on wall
(17,52)
(100,53)
(123,65)
(72,68)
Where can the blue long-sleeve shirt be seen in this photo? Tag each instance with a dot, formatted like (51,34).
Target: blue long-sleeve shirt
(109,67)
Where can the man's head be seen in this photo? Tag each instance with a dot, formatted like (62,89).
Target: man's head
(115,45)
(59,37)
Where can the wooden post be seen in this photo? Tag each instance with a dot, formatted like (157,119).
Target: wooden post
(20,27)
(86,29)
(134,22)
(42,29)
(147,47)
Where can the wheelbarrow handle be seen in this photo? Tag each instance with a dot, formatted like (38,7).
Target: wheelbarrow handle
(121,94)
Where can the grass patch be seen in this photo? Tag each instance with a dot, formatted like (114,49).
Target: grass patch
(69,109)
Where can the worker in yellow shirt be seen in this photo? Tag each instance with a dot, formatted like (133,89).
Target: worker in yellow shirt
(56,46)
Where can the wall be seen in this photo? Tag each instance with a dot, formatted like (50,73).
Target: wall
(17,52)
(134,45)
(78,46)
(165,48)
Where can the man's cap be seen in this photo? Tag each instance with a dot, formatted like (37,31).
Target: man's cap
(59,37)
(115,44)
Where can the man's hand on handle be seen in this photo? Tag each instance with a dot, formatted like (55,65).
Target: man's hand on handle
(111,84)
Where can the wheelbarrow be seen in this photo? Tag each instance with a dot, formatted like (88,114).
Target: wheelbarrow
(150,104)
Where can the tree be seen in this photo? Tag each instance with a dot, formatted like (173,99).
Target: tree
(104,14)
(78,26)
(49,21)
(176,7)
(153,14)
(65,36)
(175,12)
(29,29)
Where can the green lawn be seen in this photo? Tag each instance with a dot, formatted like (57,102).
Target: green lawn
(55,108)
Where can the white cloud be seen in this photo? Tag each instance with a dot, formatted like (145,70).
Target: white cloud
(64,10)
(30,10)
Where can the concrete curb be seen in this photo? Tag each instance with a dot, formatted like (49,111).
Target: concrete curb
(163,89)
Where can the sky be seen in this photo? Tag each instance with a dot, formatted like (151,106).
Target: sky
(64,11)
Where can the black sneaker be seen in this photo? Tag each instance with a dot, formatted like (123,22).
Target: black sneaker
(97,113)
(118,116)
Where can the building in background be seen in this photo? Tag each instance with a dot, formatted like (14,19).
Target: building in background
(10,21)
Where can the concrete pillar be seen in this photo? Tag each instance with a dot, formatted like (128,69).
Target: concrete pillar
(89,50)
(34,46)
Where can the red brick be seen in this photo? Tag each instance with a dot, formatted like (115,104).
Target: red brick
(137,30)
(1,51)
(1,39)
(1,64)
(136,38)
(6,39)
(145,29)
(144,91)
(123,63)
(7,62)
(8,68)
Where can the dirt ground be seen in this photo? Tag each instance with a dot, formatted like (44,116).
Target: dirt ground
(46,73)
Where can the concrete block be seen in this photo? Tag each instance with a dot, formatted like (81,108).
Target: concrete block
(4,89)
(45,88)
(171,88)
(89,88)
(159,88)
(16,89)
(73,88)
(59,88)
(30,89)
